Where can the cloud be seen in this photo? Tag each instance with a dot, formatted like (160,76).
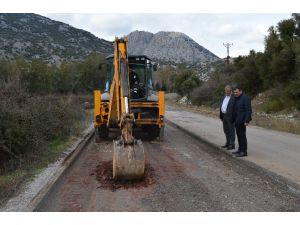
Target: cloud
(229,30)
(256,34)
(246,31)
(112,24)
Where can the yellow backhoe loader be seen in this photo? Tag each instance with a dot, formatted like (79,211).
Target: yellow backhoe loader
(127,103)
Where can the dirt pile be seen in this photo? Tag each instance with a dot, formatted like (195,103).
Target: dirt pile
(104,175)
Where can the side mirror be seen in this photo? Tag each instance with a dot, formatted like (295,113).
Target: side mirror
(154,67)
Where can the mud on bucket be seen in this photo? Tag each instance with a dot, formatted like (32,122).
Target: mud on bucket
(128,161)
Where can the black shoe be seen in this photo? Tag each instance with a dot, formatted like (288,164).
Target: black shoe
(230,147)
(224,146)
(236,152)
(242,154)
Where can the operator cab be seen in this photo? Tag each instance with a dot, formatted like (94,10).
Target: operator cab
(140,76)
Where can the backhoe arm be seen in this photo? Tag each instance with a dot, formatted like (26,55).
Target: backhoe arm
(129,159)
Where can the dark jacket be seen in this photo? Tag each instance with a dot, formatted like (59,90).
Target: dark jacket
(242,110)
(229,109)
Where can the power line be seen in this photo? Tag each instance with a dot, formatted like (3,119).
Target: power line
(228,45)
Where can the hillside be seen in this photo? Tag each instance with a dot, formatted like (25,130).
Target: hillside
(37,37)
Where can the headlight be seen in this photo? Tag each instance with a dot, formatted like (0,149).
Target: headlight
(98,119)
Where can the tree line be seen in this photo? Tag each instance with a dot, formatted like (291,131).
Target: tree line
(41,104)
(181,80)
(37,77)
(276,69)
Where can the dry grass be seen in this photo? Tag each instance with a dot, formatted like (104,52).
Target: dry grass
(285,124)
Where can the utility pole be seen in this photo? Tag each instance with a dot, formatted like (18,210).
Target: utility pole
(228,45)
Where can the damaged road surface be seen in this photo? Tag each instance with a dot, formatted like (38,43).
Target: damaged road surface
(181,174)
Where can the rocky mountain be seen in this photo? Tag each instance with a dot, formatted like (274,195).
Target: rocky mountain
(37,37)
(170,48)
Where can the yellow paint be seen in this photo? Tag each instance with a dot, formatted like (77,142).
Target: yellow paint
(147,121)
(161,103)
(144,104)
(97,103)
(117,100)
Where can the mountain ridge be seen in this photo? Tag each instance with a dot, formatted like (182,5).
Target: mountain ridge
(170,47)
(38,37)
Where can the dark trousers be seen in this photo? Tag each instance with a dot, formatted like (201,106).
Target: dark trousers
(241,135)
(229,130)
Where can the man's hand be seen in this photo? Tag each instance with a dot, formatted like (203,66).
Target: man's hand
(246,124)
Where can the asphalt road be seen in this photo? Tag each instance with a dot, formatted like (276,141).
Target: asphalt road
(275,151)
(183,174)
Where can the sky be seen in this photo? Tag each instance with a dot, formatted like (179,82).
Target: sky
(246,31)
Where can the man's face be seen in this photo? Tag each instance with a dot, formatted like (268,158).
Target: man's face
(228,91)
(237,92)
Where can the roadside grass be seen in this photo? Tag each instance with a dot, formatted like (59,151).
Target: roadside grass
(284,123)
(12,182)
(210,111)
(290,125)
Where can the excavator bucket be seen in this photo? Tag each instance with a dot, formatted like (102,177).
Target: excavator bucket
(128,161)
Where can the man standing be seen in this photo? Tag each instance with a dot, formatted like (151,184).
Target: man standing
(242,116)
(226,115)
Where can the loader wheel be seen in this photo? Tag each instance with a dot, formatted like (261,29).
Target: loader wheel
(153,131)
(101,133)
(161,133)
(97,138)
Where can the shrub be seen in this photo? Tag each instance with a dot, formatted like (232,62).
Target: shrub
(273,105)
(29,122)
(185,82)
